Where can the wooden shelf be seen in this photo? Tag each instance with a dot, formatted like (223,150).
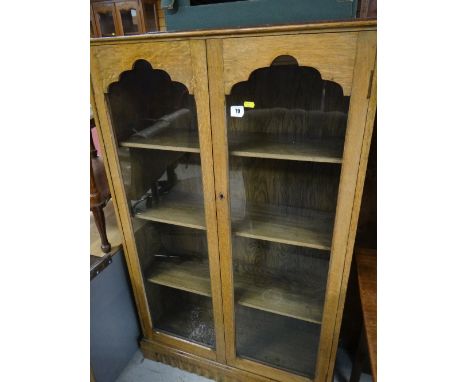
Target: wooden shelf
(175,210)
(272,225)
(277,341)
(255,145)
(278,297)
(305,303)
(190,276)
(169,140)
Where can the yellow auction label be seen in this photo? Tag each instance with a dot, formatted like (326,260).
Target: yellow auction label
(250,104)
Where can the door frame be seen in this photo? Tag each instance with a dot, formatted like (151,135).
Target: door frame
(130,4)
(185,62)
(105,6)
(227,66)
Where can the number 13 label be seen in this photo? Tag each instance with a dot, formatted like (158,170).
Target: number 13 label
(237,111)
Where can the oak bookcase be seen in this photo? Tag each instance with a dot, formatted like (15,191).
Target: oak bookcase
(237,160)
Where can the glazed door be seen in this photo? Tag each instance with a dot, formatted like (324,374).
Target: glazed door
(93,28)
(128,14)
(107,24)
(288,115)
(150,15)
(153,107)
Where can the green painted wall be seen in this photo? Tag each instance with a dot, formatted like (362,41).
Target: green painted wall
(256,12)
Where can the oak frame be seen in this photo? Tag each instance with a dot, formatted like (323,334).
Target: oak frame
(197,60)
(171,55)
(103,7)
(125,5)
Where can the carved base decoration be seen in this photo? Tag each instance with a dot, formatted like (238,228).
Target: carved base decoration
(196,365)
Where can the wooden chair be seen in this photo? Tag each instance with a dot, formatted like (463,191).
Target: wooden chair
(99,194)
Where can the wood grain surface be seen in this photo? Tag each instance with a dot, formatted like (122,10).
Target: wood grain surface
(171,140)
(366,260)
(190,276)
(172,57)
(177,210)
(113,232)
(289,349)
(293,29)
(221,175)
(273,224)
(277,296)
(357,143)
(255,145)
(324,52)
(303,302)
(201,91)
(192,363)
(274,186)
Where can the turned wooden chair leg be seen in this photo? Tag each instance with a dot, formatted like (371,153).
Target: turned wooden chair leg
(99,195)
(100,221)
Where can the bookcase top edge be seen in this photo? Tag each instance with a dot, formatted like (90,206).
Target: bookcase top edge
(317,27)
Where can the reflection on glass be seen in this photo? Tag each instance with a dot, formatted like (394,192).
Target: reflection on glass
(149,10)
(129,19)
(106,23)
(155,124)
(277,340)
(284,169)
(185,315)
(165,186)
(174,263)
(207,2)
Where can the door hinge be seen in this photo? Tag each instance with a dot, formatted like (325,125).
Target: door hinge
(371,80)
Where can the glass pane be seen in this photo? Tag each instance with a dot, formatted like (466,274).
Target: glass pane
(106,23)
(129,21)
(155,124)
(207,2)
(150,17)
(286,129)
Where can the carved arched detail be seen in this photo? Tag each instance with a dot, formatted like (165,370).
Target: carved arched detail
(332,54)
(143,93)
(286,84)
(173,57)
